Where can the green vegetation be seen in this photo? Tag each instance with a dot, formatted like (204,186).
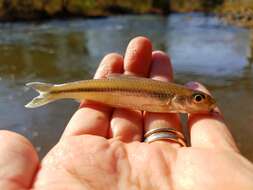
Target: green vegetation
(193,5)
(238,13)
(36,9)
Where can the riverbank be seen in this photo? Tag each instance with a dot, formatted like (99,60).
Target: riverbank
(238,12)
(13,10)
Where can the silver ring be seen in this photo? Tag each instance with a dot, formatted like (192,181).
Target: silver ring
(166,134)
(164,129)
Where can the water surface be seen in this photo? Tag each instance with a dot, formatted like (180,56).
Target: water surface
(201,48)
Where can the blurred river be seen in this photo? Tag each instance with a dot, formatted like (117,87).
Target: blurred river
(202,49)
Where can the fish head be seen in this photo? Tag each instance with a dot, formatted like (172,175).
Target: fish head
(194,102)
(199,102)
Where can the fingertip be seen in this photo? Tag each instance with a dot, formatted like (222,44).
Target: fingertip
(18,161)
(15,138)
(138,56)
(159,54)
(17,143)
(197,86)
(141,39)
(111,63)
(161,68)
(114,57)
(192,84)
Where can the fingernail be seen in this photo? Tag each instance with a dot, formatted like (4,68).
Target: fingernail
(192,85)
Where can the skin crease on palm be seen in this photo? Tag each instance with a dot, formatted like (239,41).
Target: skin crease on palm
(101,147)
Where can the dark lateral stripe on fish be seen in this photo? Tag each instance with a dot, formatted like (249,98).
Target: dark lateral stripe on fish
(144,92)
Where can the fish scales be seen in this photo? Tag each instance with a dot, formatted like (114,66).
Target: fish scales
(126,92)
(143,87)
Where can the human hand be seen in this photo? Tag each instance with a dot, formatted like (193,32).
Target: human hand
(101,147)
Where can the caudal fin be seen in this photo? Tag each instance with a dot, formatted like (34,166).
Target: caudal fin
(44,90)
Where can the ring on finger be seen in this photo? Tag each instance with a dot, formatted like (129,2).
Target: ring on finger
(166,134)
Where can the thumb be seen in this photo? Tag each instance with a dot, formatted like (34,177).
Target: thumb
(18,161)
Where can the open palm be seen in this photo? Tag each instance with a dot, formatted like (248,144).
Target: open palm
(102,148)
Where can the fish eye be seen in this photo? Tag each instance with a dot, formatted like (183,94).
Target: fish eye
(198,97)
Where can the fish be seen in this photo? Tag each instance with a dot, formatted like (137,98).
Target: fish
(129,92)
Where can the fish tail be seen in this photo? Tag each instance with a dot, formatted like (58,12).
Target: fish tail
(43,98)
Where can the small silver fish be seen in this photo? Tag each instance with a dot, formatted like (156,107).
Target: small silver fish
(127,92)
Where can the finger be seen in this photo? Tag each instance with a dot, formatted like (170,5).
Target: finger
(138,57)
(127,124)
(209,130)
(18,161)
(161,69)
(94,118)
